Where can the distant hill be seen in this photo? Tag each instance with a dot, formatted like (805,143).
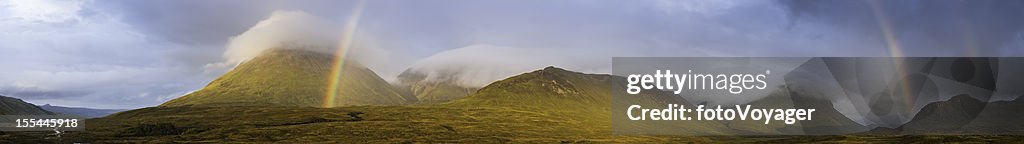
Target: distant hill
(963,114)
(83,112)
(432,90)
(15,106)
(581,98)
(546,88)
(289,77)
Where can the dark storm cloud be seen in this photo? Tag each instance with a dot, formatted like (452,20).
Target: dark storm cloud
(186,21)
(201,22)
(925,28)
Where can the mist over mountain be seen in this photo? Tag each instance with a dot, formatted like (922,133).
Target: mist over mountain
(294,77)
(479,65)
(293,29)
(432,91)
(456,73)
(280,29)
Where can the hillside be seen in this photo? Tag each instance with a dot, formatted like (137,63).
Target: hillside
(432,90)
(546,88)
(15,106)
(963,114)
(585,99)
(83,112)
(294,78)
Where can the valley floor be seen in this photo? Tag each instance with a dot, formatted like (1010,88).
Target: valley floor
(396,124)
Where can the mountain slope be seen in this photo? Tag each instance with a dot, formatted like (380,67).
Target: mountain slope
(963,114)
(294,78)
(84,112)
(15,106)
(430,90)
(546,88)
(585,99)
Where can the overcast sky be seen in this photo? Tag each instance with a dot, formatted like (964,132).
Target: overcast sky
(132,54)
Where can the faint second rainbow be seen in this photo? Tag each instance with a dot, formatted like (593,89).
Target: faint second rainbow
(895,51)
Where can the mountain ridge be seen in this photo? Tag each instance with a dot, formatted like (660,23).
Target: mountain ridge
(427,90)
(79,111)
(290,77)
(963,114)
(15,106)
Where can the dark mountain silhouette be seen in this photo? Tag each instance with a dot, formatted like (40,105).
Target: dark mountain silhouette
(963,114)
(15,106)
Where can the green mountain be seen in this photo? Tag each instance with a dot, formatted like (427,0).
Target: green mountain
(290,77)
(550,87)
(432,91)
(583,99)
(15,106)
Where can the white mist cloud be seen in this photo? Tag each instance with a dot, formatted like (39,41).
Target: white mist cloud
(479,65)
(42,10)
(294,30)
(284,29)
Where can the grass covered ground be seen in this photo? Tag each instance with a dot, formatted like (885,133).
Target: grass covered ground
(395,124)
